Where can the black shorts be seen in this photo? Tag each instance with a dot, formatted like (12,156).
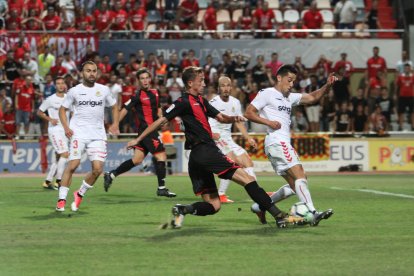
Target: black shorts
(205,161)
(151,143)
(405,103)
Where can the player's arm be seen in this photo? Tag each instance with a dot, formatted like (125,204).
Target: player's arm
(151,128)
(315,96)
(43,116)
(225,119)
(122,114)
(114,128)
(64,121)
(252,114)
(242,128)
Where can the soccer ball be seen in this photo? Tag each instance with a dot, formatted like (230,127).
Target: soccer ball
(301,210)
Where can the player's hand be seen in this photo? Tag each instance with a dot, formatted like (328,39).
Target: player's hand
(68,132)
(113,129)
(216,136)
(132,143)
(332,78)
(252,143)
(54,122)
(274,125)
(238,119)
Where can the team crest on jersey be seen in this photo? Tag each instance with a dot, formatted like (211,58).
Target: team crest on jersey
(233,109)
(98,94)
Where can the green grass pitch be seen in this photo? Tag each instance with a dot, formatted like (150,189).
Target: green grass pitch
(117,233)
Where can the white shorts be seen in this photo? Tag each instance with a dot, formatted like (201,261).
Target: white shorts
(313,113)
(282,156)
(96,149)
(59,141)
(227,145)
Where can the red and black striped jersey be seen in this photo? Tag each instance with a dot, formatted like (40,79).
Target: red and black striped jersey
(146,104)
(194,112)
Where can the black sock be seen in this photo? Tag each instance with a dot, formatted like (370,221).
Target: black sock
(47,182)
(161,172)
(58,181)
(124,167)
(200,209)
(260,197)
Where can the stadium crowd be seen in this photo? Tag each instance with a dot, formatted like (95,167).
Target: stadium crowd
(166,19)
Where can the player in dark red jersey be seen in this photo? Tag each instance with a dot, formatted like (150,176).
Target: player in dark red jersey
(147,110)
(206,159)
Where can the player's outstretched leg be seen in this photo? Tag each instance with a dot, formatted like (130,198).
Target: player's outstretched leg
(110,176)
(318,216)
(201,208)
(161,174)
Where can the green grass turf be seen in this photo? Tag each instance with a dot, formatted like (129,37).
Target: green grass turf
(117,233)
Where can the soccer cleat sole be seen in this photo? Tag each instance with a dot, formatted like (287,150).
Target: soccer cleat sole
(325,215)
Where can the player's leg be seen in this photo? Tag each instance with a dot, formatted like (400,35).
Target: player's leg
(139,155)
(60,144)
(224,184)
(47,184)
(161,172)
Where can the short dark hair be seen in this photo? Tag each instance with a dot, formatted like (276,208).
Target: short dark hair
(190,73)
(88,62)
(143,70)
(59,78)
(286,69)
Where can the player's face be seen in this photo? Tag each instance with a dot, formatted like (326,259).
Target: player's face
(197,85)
(89,74)
(225,87)
(286,83)
(144,81)
(60,86)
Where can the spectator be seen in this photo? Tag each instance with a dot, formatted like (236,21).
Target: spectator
(344,63)
(211,92)
(45,61)
(299,122)
(67,11)
(34,5)
(116,91)
(68,63)
(378,121)
(120,20)
(247,86)
(313,18)
(405,92)
(313,110)
(171,26)
(165,98)
(342,87)
(372,18)
(210,21)
(16,5)
(401,63)
(299,66)
(157,33)
(152,63)
(304,82)
(4,9)
(175,85)
(52,21)
(58,69)
(387,104)
(191,60)
(24,103)
(8,121)
(240,67)
(90,53)
(20,47)
(209,70)
(187,13)
(300,26)
(288,4)
(14,20)
(282,27)
(161,71)
(259,71)
(245,22)
(82,18)
(128,90)
(372,92)
(264,19)
(171,5)
(4,99)
(137,21)
(374,64)
(132,66)
(49,87)
(328,111)
(11,67)
(33,22)
(173,65)
(31,68)
(104,66)
(120,62)
(343,118)
(345,11)
(359,99)
(274,64)
(359,119)
(324,64)
(103,19)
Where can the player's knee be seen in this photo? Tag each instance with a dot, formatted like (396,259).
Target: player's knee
(64,155)
(97,171)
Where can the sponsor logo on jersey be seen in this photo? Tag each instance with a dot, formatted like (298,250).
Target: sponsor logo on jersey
(91,103)
(284,108)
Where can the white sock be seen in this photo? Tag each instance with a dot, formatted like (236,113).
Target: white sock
(112,176)
(63,192)
(224,185)
(52,170)
(250,171)
(301,187)
(84,188)
(284,192)
(61,167)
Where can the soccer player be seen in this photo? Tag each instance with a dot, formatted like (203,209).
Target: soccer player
(272,107)
(86,131)
(205,158)
(229,105)
(147,109)
(56,132)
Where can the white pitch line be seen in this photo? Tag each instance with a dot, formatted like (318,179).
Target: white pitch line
(375,192)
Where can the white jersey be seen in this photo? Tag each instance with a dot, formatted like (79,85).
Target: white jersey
(231,108)
(52,104)
(89,104)
(273,106)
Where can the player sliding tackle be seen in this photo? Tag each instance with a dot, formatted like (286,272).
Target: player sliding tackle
(272,107)
(222,133)
(205,158)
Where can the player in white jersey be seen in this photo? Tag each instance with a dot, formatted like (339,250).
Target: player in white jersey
(272,107)
(56,132)
(86,131)
(222,133)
